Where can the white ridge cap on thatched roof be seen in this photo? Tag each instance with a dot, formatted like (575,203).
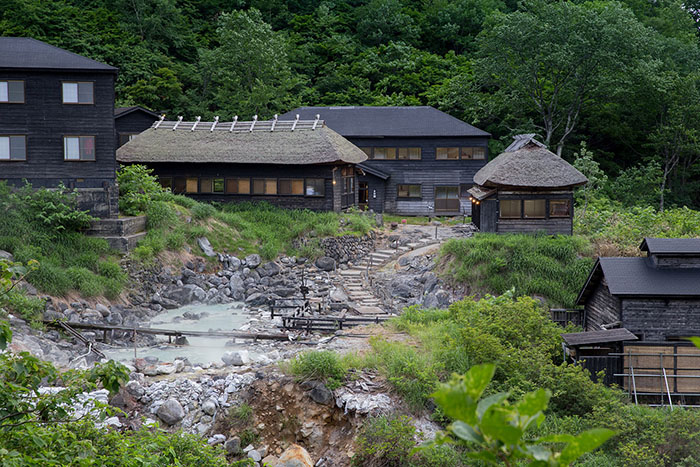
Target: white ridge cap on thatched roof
(531,165)
(252,142)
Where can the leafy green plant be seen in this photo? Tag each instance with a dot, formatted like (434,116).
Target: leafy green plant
(54,209)
(321,365)
(494,430)
(137,188)
(385,441)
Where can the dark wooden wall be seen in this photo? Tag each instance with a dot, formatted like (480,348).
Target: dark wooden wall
(490,221)
(331,200)
(601,308)
(676,262)
(427,172)
(133,123)
(376,186)
(661,319)
(45,120)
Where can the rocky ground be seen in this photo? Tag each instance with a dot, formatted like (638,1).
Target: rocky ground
(200,397)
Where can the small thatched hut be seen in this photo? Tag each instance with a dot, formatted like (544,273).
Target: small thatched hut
(293,164)
(527,188)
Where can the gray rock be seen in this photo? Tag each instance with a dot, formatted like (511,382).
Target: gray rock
(256,299)
(430,301)
(115,318)
(401,290)
(171,412)
(209,407)
(325,263)
(6,255)
(102,309)
(321,394)
(206,247)
(337,295)
(236,358)
(234,263)
(233,445)
(269,269)
(253,261)
(216,439)
(254,455)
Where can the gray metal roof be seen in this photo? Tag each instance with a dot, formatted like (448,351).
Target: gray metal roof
(638,277)
(375,121)
(374,171)
(28,53)
(598,337)
(122,111)
(671,246)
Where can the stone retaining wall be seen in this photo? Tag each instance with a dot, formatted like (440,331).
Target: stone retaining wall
(348,247)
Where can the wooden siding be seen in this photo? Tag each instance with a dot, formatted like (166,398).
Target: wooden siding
(45,120)
(659,319)
(133,123)
(427,172)
(679,262)
(548,226)
(601,308)
(375,192)
(490,221)
(331,200)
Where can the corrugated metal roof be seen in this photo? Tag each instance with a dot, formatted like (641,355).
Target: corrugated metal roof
(25,52)
(598,337)
(670,246)
(371,121)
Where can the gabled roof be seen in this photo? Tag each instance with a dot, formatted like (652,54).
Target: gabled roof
(28,53)
(480,193)
(521,140)
(638,277)
(373,171)
(575,339)
(123,111)
(210,142)
(671,246)
(530,166)
(371,121)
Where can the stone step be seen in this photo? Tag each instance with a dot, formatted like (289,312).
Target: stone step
(386,252)
(351,272)
(370,310)
(126,243)
(413,245)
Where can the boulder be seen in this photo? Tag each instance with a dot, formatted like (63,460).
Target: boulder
(209,407)
(269,269)
(337,295)
(253,261)
(325,263)
(171,412)
(254,455)
(295,456)
(102,309)
(216,439)
(256,299)
(233,445)
(321,394)
(6,255)
(236,358)
(206,247)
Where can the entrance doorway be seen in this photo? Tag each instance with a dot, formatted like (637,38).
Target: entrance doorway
(363,192)
(446,199)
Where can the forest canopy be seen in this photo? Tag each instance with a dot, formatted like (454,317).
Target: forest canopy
(620,76)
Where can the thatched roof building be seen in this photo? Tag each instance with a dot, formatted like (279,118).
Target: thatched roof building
(527,188)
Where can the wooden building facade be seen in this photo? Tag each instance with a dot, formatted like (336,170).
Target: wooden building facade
(57,122)
(420,161)
(526,189)
(131,121)
(292,164)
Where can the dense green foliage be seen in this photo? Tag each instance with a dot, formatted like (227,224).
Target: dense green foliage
(323,366)
(237,228)
(43,225)
(546,266)
(620,75)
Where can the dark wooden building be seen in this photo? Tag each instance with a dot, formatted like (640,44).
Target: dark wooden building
(527,188)
(656,297)
(130,121)
(57,122)
(293,164)
(421,161)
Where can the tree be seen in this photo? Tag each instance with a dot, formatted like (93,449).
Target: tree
(549,59)
(249,73)
(584,162)
(382,21)
(495,429)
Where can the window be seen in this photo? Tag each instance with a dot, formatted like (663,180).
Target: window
(510,208)
(191,185)
(559,208)
(535,208)
(291,187)
(125,138)
(78,93)
(475,153)
(368,151)
(166,182)
(13,148)
(408,191)
(385,153)
(179,186)
(444,154)
(238,186)
(12,92)
(409,153)
(315,187)
(79,148)
(218,185)
(206,185)
(264,186)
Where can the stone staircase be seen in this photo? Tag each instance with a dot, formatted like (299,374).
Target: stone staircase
(354,279)
(122,234)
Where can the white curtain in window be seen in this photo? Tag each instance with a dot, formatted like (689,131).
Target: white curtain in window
(4,147)
(70,93)
(71,148)
(4,96)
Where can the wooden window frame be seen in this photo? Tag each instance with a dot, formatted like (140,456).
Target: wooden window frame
(238,180)
(544,212)
(184,185)
(202,182)
(447,148)
(387,148)
(188,192)
(162,181)
(265,181)
(213,185)
(24,91)
(63,97)
(560,200)
(323,187)
(471,157)
(408,155)
(520,209)
(80,159)
(9,143)
(121,135)
(291,180)
(408,190)
(368,150)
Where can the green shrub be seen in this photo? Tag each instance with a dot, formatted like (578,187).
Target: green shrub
(385,441)
(26,307)
(321,365)
(160,214)
(111,269)
(54,209)
(202,211)
(137,188)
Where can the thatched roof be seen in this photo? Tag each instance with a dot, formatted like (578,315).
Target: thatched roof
(304,145)
(529,166)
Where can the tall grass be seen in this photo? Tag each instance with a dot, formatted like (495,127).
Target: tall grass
(552,267)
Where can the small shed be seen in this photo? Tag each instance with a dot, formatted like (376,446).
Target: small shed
(527,188)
